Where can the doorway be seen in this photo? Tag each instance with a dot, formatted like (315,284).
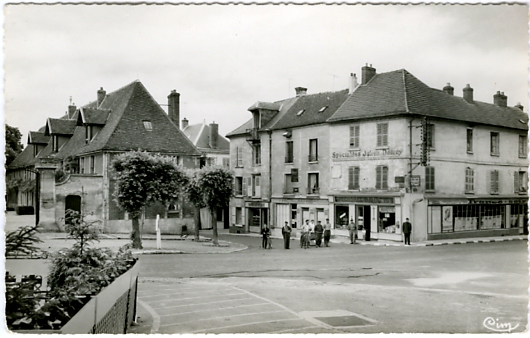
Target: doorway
(72,202)
(363,217)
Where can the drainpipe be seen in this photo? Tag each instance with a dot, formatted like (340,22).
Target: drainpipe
(410,155)
(269,132)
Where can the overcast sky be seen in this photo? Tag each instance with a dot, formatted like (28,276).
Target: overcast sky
(222,59)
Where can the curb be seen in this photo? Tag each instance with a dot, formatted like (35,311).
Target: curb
(449,243)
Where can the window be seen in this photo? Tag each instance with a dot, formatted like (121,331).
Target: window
(494,182)
(470,180)
(523,146)
(92,164)
(300,112)
(313,187)
(520,182)
(313,150)
(256,154)
(381,173)
(148,126)
(239,213)
(238,185)
(226,162)
(430,135)
(494,143)
(354,136)
(322,109)
(288,184)
(81,165)
(429,178)
(382,134)
(469,138)
(256,189)
(353,178)
(289,155)
(55,140)
(239,157)
(89,133)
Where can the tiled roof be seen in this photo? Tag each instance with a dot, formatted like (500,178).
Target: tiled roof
(199,134)
(35,137)
(124,129)
(265,105)
(311,109)
(399,92)
(94,116)
(59,126)
(242,129)
(24,159)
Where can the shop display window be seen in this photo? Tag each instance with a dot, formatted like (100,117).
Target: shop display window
(342,216)
(492,216)
(387,220)
(517,213)
(465,217)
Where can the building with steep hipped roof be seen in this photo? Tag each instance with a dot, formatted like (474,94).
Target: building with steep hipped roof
(82,144)
(391,148)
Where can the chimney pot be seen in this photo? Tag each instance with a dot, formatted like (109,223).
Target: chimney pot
(300,91)
(184,123)
(367,74)
(353,82)
(500,99)
(214,135)
(71,111)
(468,94)
(520,106)
(449,89)
(101,96)
(173,109)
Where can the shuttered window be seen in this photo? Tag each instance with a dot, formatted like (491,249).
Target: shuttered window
(429,178)
(381,177)
(494,181)
(470,180)
(239,155)
(523,146)
(382,134)
(354,136)
(353,178)
(494,143)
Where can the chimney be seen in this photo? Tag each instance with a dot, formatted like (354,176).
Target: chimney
(520,106)
(173,102)
(468,94)
(71,111)
(353,82)
(367,74)
(300,91)
(500,99)
(449,89)
(214,135)
(101,95)
(184,123)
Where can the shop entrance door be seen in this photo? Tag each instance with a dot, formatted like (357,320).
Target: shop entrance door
(363,220)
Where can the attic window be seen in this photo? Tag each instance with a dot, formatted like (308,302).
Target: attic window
(322,109)
(300,112)
(522,121)
(148,126)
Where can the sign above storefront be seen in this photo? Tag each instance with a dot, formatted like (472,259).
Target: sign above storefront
(256,204)
(364,199)
(399,179)
(458,201)
(357,154)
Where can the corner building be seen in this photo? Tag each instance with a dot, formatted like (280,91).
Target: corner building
(393,148)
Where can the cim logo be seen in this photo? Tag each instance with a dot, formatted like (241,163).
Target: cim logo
(494,325)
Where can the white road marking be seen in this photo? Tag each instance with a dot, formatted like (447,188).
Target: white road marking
(156,317)
(220,317)
(185,293)
(220,301)
(215,309)
(244,324)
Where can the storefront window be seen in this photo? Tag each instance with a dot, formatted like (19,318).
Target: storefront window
(387,219)
(517,213)
(466,217)
(342,216)
(492,216)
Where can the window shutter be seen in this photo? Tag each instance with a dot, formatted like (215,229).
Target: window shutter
(249,186)
(379,135)
(516,182)
(234,220)
(244,188)
(385,177)
(351,178)
(258,189)
(356,178)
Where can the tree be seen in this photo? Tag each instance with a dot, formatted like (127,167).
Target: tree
(194,195)
(216,188)
(135,173)
(13,144)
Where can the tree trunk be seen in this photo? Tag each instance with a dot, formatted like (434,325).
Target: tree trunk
(214,226)
(136,238)
(197,221)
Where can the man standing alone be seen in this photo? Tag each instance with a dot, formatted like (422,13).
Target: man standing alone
(286,232)
(327,232)
(407,229)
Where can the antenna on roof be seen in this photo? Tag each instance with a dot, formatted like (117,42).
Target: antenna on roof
(70,100)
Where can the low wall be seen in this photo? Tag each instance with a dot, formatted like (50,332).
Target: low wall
(170,226)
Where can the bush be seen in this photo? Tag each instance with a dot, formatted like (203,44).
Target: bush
(76,274)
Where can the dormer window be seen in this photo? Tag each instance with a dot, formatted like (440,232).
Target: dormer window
(55,145)
(300,112)
(148,126)
(89,133)
(322,109)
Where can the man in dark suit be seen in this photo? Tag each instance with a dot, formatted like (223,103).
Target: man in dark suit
(407,229)
(286,232)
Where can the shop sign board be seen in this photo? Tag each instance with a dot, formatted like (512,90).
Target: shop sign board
(358,154)
(364,199)
(256,205)
(457,201)
(415,180)
(399,179)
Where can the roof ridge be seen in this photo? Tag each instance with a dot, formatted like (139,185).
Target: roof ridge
(405,90)
(112,92)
